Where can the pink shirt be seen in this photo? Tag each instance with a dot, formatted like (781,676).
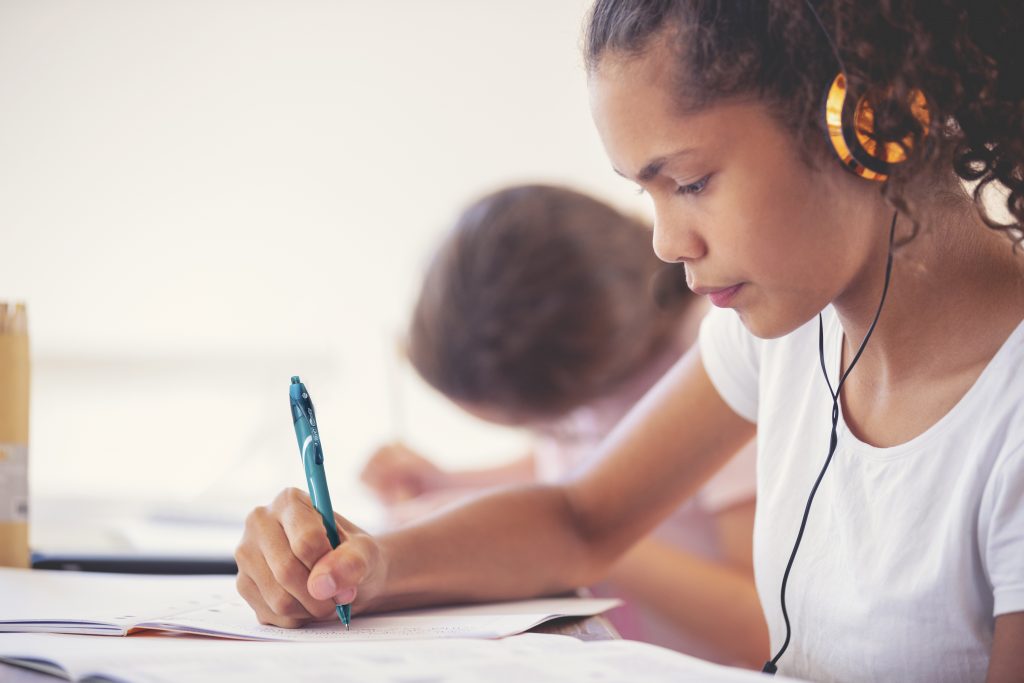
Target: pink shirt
(574,439)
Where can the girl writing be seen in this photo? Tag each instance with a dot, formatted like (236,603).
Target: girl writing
(902,475)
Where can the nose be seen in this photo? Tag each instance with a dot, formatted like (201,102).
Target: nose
(676,239)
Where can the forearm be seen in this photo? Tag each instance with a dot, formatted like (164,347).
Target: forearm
(1007,660)
(713,602)
(511,543)
(541,539)
(516,543)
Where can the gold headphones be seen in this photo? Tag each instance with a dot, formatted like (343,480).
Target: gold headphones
(850,126)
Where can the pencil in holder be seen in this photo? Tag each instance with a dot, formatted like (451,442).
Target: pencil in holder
(14,395)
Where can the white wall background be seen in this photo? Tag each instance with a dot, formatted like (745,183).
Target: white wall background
(200,198)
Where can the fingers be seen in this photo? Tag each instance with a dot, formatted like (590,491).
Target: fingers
(272,602)
(397,473)
(338,574)
(282,582)
(378,472)
(248,589)
(287,571)
(274,558)
(302,526)
(373,469)
(389,475)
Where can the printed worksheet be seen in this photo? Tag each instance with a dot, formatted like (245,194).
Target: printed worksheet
(119,604)
(491,620)
(529,657)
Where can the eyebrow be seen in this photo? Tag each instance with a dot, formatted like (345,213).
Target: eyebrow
(653,167)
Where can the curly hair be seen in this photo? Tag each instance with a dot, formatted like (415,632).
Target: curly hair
(965,56)
(540,300)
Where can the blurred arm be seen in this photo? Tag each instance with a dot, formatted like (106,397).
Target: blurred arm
(714,602)
(1006,664)
(541,539)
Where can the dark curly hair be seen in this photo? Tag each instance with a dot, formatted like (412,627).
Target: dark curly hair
(965,56)
(540,300)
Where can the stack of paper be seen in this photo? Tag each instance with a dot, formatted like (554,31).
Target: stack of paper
(424,646)
(118,604)
(530,657)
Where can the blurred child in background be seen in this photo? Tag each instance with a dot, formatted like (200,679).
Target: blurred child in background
(547,309)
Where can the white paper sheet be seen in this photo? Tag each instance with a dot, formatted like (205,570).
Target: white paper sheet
(113,604)
(103,603)
(529,657)
(492,620)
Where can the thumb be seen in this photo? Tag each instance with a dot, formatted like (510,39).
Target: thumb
(338,574)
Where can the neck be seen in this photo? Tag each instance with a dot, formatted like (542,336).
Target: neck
(956,277)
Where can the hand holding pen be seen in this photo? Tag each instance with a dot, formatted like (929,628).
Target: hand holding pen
(312,455)
(298,561)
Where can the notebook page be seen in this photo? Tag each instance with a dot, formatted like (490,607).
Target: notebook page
(107,604)
(111,604)
(530,657)
(493,620)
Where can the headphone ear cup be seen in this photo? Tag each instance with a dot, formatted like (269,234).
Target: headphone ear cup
(850,126)
(842,120)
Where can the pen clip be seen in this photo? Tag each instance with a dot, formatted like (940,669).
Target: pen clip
(302,409)
(311,415)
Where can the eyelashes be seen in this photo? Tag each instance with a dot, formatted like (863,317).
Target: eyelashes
(694,188)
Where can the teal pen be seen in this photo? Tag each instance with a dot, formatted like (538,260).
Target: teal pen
(312,454)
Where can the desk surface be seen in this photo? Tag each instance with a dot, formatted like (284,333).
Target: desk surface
(585,628)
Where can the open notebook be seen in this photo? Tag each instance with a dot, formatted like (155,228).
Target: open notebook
(535,657)
(119,604)
(530,657)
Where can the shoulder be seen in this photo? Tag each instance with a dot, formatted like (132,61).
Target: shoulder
(744,368)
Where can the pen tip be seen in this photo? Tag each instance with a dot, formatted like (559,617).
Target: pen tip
(343,614)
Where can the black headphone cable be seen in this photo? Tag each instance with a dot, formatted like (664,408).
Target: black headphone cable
(770,666)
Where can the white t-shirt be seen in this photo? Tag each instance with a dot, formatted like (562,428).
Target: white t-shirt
(911,551)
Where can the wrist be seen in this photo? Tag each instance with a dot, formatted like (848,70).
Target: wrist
(372,593)
(398,581)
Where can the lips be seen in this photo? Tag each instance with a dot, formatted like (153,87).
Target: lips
(719,296)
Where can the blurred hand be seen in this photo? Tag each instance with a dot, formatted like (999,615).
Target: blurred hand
(397,473)
(287,571)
